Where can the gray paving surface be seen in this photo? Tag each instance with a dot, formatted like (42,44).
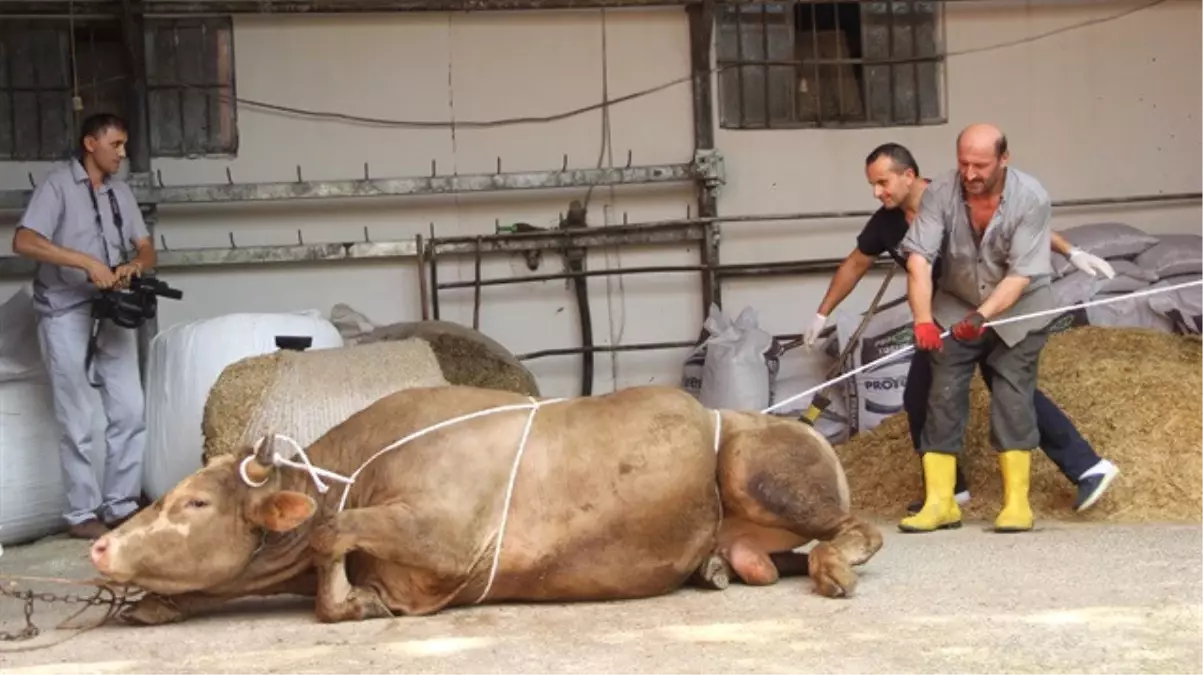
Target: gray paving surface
(1065,598)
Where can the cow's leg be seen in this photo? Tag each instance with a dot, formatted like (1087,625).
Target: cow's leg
(338,600)
(791,563)
(422,577)
(808,505)
(753,551)
(154,609)
(852,542)
(714,574)
(798,489)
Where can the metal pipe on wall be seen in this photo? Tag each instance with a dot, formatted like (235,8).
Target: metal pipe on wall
(147,192)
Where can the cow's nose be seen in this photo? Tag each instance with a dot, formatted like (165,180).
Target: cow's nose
(100,551)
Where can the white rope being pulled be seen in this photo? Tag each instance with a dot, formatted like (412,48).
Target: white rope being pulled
(997,322)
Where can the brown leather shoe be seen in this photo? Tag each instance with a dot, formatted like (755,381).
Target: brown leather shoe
(89,529)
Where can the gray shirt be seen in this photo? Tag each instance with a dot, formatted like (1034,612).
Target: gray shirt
(62,211)
(1016,242)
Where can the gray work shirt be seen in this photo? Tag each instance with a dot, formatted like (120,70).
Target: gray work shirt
(61,210)
(1016,242)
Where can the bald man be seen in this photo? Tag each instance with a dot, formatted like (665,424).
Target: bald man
(989,225)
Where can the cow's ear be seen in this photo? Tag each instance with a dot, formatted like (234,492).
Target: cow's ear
(282,511)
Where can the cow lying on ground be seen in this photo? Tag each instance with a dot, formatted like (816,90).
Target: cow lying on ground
(615,496)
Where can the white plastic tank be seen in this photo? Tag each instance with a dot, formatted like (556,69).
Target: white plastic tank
(185,361)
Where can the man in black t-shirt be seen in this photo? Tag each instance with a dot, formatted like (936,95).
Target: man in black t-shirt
(894,175)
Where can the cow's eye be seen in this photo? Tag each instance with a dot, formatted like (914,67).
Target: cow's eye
(197,504)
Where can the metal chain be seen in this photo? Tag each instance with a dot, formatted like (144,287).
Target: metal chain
(30,630)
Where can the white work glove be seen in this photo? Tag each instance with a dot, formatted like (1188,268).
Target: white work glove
(1090,264)
(812,333)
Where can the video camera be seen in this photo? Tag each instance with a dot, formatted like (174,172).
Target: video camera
(130,307)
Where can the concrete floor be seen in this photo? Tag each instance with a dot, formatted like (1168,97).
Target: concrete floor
(1067,597)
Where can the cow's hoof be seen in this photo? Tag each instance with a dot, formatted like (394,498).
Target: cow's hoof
(152,610)
(368,604)
(830,572)
(714,574)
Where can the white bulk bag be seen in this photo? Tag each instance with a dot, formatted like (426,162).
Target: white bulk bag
(735,373)
(185,360)
(32,498)
(876,394)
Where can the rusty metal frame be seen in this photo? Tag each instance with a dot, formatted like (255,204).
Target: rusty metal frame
(682,230)
(149,191)
(670,231)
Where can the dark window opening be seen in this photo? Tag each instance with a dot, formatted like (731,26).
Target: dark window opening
(831,64)
(45,64)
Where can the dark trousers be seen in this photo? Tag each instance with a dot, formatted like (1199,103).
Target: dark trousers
(1059,438)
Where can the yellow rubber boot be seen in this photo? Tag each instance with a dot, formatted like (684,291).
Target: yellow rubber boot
(1016,514)
(940,510)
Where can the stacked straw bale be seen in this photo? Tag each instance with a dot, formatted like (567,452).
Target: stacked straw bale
(304,394)
(1135,394)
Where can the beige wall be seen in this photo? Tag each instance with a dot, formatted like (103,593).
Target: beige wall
(1095,112)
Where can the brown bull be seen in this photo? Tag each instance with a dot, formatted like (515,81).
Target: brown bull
(614,497)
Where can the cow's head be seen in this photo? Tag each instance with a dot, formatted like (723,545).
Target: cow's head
(205,533)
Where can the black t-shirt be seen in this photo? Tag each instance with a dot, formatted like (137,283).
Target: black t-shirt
(884,234)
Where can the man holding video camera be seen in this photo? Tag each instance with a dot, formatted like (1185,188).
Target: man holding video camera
(84,229)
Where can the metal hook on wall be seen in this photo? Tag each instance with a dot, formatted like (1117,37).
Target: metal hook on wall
(366,237)
(31,183)
(366,173)
(300,239)
(299,178)
(229,176)
(232,243)
(159,174)
(163,241)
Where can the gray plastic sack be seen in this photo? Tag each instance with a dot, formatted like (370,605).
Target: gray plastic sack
(1106,240)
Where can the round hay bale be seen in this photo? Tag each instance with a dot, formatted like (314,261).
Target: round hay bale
(466,356)
(1135,394)
(304,394)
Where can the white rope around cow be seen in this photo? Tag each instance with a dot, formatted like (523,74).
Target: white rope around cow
(997,322)
(316,473)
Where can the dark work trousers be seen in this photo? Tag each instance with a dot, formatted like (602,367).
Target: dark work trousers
(1059,438)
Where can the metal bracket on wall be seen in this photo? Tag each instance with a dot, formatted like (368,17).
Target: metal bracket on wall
(710,170)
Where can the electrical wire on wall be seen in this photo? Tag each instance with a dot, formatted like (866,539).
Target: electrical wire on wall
(511,121)
(605,157)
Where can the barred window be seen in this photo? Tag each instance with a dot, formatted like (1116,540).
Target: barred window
(190,84)
(831,64)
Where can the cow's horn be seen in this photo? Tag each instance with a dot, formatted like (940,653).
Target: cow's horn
(262,466)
